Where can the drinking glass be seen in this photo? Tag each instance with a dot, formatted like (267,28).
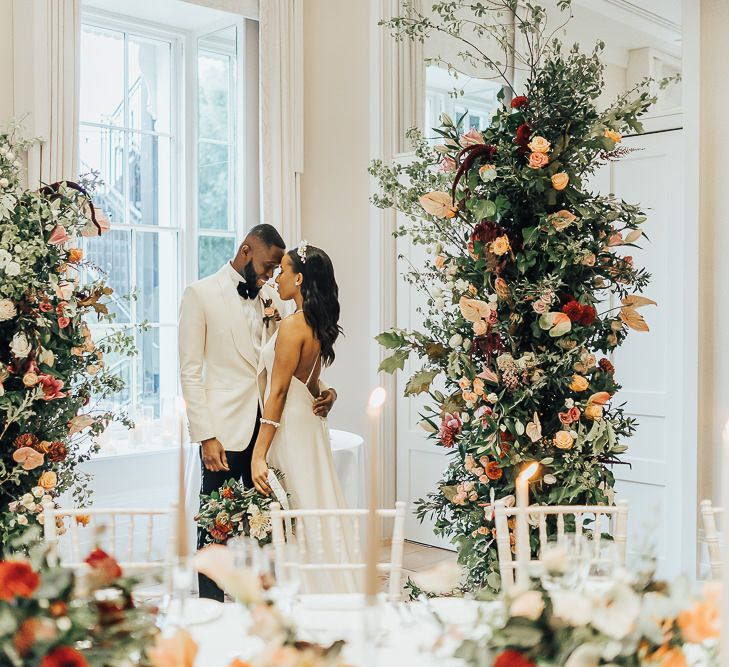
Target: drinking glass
(246,553)
(602,563)
(563,561)
(284,578)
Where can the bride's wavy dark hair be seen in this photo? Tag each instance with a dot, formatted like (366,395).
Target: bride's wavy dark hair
(321,297)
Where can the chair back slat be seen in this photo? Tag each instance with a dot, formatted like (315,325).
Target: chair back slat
(614,518)
(709,513)
(338,523)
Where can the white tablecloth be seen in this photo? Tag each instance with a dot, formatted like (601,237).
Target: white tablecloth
(349,462)
(407,633)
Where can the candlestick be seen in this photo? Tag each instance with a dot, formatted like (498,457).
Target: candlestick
(182,547)
(523,549)
(374,412)
(725,546)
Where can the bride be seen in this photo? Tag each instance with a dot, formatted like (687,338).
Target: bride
(292,438)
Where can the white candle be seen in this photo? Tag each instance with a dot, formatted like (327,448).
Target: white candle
(725,546)
(374,412)
(182,550)
(523,550)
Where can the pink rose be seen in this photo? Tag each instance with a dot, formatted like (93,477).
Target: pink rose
(471,138)
(59,236)
(51,387)
(538,160)
(450,427)
(572,415)
(447,164)
(28,458)
(540,307)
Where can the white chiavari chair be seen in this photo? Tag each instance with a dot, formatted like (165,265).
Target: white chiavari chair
(709,514)
(615,515)
(313,558)
(128,534)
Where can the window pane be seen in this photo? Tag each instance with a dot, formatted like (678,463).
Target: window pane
(112,254)
(149,180)
(148,374)
(102,76)
(213,186)
(216,60)
(213,252)
(102,151)
(156,279)
(149,84)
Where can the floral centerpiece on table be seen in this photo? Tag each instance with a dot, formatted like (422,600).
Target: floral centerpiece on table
(531,285)
(625,625)
(54,377)
(282,646)
(50,617)
(234,511)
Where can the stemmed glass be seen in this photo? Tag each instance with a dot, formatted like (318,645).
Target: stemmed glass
(283,578)
(604,560)
(563,562)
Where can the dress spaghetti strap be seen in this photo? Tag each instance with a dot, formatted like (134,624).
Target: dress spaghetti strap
(313,368)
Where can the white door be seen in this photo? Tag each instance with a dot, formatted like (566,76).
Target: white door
(658,483)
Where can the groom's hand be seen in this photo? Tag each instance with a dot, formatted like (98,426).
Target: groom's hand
(213,455)
(324,403)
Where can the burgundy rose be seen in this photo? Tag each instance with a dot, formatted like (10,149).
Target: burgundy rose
(520,102)
(587,316)
(523,134)
(573,310)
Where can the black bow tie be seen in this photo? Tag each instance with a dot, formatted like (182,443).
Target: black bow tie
(247,291)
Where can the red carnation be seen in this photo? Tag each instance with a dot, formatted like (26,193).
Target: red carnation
(104,567)
(523,134)
(64,656)
(512,658)
(520,102)
(17,580)
(588,315)
(573,310)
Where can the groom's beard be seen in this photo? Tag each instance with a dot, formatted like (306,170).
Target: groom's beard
(249,289)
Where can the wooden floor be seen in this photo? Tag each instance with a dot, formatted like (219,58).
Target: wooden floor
(418,557)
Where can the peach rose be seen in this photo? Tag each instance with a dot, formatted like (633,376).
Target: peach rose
(464,383)
(538,160)
(500,246)
(562,219)
(579,383)
(75,255)
(615,136)
(439,262)
(593,411)
(480,328)
(470,396)
(539,145)
(478,386)
(563,440)
(560,180)
(48,480)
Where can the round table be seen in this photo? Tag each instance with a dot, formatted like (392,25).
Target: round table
(348,460)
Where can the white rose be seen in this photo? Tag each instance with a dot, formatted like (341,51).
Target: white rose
(32,507)
(12,269)
(13,507)
(10,155)
(47,357)
(20,346)
(27,498)
(587,655)
(492,398)
(616,611)
(456,340)
(528,605)
(7,310)
(572,608)
(4,182)
(439,303)
(23,520)
(38,491)
(5,257)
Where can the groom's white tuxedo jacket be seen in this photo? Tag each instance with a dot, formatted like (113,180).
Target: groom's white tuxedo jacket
(219,362)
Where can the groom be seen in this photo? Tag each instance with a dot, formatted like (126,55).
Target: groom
(225,320)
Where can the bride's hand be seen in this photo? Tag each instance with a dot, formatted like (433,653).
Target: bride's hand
(259,472)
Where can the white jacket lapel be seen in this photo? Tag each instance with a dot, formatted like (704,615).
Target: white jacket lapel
(241,330)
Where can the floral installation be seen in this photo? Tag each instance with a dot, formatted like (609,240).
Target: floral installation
(626,624)
(54,381)
(234,511)
(51,617)
(282,646)
(529,289)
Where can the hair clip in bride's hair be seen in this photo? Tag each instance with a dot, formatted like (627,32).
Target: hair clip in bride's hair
(301,252)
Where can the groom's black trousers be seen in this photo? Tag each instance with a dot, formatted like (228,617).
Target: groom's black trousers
(239,464)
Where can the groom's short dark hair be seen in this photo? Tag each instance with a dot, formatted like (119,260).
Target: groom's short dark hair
(269,235)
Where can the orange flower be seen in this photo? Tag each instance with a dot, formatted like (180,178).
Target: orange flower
(83,519)
(701,621)
(579,383)
(228,493)
(48,480)
(493,471)
(179,650)
(667,656)
(17,579)
(31,631)
(615,136)
(64,656)
(75,255)
(560,181)
(500,246)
